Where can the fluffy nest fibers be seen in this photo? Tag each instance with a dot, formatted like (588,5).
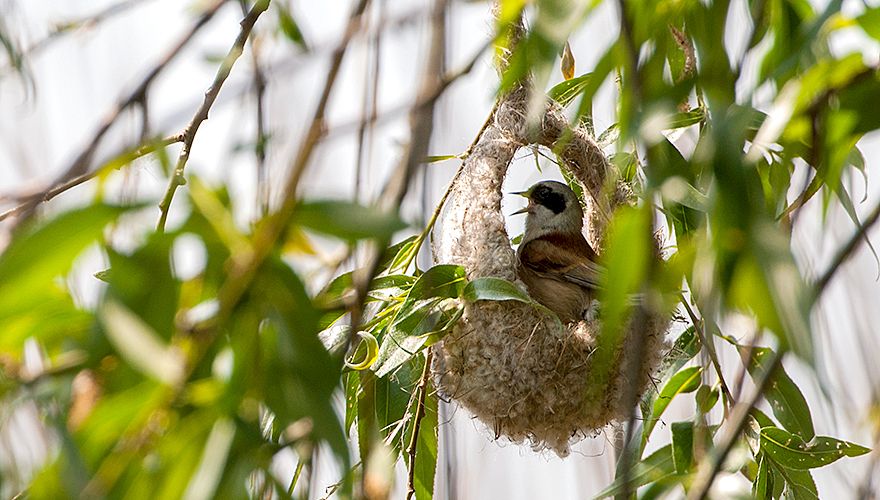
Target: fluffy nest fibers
(509,364)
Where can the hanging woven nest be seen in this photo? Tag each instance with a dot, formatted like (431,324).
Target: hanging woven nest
(508,363)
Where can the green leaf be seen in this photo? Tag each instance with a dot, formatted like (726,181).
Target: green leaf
(565,91)
(289,27)
(790,451)
(785,398)
(682,446)
(39,254)
(139,344)
(870,22)
(656,467)
(348,221)
(626,257)
(793,484)
(687,380)
(706,398)
(415,325)
(761,487)
(439,158)
(490,288)
(426,450)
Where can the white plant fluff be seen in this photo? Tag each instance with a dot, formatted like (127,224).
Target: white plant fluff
(508,363)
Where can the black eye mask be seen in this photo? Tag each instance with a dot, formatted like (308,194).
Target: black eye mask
(545,196)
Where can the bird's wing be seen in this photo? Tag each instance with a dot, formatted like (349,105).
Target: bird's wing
(563,257)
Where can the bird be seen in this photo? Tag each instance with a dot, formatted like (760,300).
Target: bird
(556,263)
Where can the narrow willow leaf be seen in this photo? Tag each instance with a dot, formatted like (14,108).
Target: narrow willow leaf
(289,27)
(870,22)
(761,487)
(140,345)
(786,400)
(687,380)
(793,484)
(490,288)
(656,467)
(210,470)
(39,254)
(348,221)
(426,450)
(706,398)
(682,446)
(567,90)
(790,451)
(439,158)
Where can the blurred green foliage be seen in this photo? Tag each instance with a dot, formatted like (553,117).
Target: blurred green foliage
(189,394)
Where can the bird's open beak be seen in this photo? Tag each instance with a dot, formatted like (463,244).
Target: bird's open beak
(524,194)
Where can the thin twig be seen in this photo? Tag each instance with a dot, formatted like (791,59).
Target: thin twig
(421,126)
(117,161)
(243,270)
(705,475)
(259,81)
(90,21)
(845,252)
(417,423)
(189,134)
(80,164)
(713,355)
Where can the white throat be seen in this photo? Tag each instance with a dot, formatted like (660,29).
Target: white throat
(543,221)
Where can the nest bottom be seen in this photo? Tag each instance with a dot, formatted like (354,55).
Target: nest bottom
(530,384)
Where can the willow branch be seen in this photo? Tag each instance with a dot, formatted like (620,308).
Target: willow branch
(80,164)
(713,355)
(846,252)
(189,134)
(705,475)
(116,161)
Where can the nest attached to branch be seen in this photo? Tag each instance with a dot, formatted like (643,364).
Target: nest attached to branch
(508,363)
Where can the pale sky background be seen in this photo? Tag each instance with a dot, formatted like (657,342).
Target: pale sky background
(77,79)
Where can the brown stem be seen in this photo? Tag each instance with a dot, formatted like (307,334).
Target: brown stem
(713,356)
(79,167)
(189,133)
(417,423)
(705,475)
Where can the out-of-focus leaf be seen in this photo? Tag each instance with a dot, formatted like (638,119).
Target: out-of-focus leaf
(682,446)
(870,22)
(289,26)
(143,283)
(687,380)
(300,373)
(786,287)
(347,220)
(140,345)
(790,451)
(39,254)
(686,118)
(627,255)
(706,398)
(204,482)
(785,398)
(656,467)
(564,92)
